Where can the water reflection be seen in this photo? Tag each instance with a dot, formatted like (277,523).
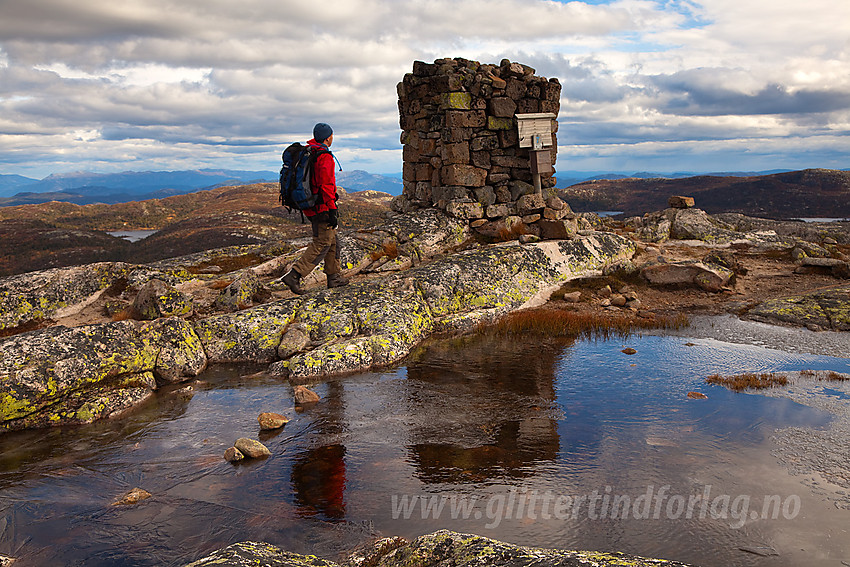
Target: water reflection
(478,418)
(505,393)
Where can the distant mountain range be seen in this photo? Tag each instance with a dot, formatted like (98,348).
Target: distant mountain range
(84,188)
(810,193)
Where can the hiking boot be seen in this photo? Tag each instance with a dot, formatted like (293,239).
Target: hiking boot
(292,279)
(336,280)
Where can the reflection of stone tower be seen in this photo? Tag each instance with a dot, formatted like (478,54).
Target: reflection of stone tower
(485,374)
(462,150)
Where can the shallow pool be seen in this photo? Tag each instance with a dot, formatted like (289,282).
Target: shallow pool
(544,443)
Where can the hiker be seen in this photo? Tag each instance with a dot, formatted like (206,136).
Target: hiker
(324,217)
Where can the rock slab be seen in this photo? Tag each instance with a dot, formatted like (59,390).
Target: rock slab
(442,548)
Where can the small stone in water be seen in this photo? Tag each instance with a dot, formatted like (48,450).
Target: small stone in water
(270,420)
(134,496)
(251,448)
(628,350)
(233,454)
(305,396)
(697,396)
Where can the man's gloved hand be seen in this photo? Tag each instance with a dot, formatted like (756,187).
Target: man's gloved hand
(333,218)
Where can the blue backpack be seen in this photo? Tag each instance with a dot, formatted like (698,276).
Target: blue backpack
(296,187)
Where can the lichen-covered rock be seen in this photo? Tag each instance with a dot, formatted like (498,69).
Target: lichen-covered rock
(442,548)
(258,554)
(685,224)
(77,375)
(467,550)
(361,332)
(240,293)
(417,236)
(62,375)
(158,299)
(252,335)
(40,295)
(251,448)
(824,309)
(181,353)
(294,340)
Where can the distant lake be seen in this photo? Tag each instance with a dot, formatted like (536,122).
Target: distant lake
(132,235)
(816,219)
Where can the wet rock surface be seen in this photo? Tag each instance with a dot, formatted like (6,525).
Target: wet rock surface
(439,548)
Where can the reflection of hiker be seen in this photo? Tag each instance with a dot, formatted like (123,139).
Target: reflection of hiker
(324,218)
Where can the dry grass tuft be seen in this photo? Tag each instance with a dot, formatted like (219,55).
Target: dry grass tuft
(556,323)
(830,376)
(748,381)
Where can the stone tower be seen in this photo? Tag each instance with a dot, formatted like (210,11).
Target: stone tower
(462,150)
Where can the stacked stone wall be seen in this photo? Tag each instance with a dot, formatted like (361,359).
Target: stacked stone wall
(461,142)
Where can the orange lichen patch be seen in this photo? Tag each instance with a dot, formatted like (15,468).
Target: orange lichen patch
(748,381)
(512,233)
(388,249)
(220,284)
(125,314)
(32,325)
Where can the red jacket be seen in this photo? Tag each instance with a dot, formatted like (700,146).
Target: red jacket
(324,179)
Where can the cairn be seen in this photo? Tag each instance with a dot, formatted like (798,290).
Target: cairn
(462,149)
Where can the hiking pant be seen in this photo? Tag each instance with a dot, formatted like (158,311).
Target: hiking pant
(325,246)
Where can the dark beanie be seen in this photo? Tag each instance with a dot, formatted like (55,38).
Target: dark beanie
(322,132)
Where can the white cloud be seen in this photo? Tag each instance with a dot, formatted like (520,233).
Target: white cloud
(154,83)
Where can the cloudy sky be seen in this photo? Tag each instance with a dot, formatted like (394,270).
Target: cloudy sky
(667,85)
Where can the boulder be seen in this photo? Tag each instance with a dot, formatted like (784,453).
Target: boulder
(706,276)
(294,340)
(240,293)
(75,375)
(824,309)
(696,224)
(181,354)
(685,224)
(679,202)
(158,299)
